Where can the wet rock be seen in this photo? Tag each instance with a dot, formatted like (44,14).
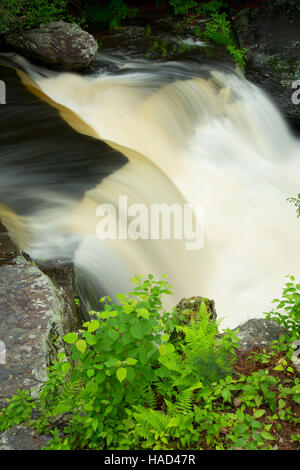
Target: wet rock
(64,46)
(270,32)
(258,332)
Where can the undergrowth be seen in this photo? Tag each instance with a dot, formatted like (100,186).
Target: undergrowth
(138,377)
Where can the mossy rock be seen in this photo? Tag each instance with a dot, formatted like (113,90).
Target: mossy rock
(193,304)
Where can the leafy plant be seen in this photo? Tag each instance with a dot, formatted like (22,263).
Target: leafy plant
(25,14)
(238,55)
(137,377)
(114,359)
(182,7)
(296,202)
(287,312)
(113,14)
(19,409)
(212,7)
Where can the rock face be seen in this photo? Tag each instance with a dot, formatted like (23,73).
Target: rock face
(22,438)
(33,316)
(258,332)
(61,45)
(270,32)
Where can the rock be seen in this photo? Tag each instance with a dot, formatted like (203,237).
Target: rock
(22,438)
(34,315)
(258,332)
(270,32)
(61,45)
(194,304)
(296,355)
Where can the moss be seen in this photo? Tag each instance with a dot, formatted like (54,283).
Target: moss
(285,66)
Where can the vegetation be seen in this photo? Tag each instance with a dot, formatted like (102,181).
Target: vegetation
(296,202)
(137,377)
(112,14)
(18,15)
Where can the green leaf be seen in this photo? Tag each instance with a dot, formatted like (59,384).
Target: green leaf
(136,332)
(130,361)
(143,312)
(65,367)
(121,373)
(81,345)
(114,335)
(266,435)
(259,413)
(70,338)
(281,404)
(163,350)
(95,424)
(93,326)
(121,296)
(90,373)
(100,377)
(90,339)
(226,394)
(112,362)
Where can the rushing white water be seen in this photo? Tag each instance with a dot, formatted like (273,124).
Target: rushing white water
(203,136)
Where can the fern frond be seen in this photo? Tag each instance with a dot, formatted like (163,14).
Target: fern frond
(150,397)
(151,420)
(173,361)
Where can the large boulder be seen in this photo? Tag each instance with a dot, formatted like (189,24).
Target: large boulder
(270,32)
(60,45)
(258,332)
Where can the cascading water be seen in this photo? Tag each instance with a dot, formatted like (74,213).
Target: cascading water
(191,134)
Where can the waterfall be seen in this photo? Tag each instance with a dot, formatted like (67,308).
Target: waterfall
(191,134)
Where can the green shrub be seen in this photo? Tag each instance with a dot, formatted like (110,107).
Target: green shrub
(287,314)
(182,7)
(138,377)
(218,30)
(25,14)
(113,14)
(238,55)
(211,7)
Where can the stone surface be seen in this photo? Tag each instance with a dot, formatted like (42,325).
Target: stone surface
(22,438)
(258,332)
(34,314)
(62,45)
(270,33)
(296,355)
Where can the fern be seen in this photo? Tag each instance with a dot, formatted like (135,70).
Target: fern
(150,397)
(151,420)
